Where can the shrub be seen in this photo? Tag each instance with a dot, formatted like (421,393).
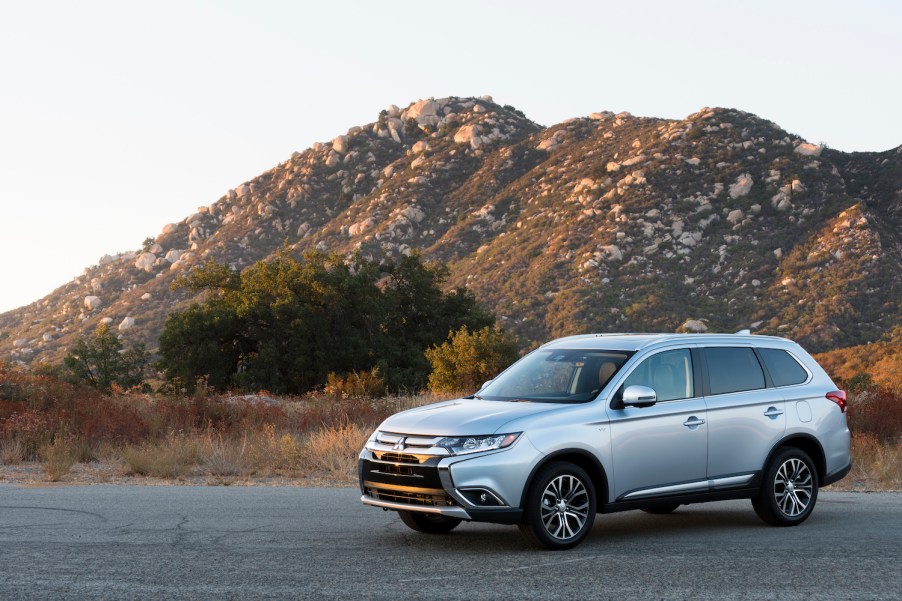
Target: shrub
(174,457)
(334,450)
(59,457)
(466,360)
(363,384)
(100,361)
(878,413)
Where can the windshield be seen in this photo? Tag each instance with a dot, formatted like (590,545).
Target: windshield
(556,376)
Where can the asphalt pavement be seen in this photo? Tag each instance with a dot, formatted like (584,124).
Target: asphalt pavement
(143,542)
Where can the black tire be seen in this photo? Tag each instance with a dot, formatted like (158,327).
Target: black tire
(429,523)
(661,509)
(560,507)
(789,490)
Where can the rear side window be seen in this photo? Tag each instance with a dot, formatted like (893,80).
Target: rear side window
(733,369)
(783,368)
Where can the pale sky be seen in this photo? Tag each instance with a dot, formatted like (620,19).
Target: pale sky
(119,117)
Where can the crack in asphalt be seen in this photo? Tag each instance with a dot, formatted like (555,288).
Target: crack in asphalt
(90,513)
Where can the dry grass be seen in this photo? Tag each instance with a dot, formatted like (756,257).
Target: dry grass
(876,465)
(313,438)
(59,458)
(334,450)
(12,452)
(172,457)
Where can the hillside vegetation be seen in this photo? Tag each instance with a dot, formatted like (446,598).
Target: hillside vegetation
(610,222)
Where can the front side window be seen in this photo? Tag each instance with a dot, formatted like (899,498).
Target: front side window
(556,376)
(668,373)
(733,369)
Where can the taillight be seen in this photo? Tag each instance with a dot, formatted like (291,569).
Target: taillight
(838,397)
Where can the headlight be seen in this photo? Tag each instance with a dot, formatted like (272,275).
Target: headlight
(463,445)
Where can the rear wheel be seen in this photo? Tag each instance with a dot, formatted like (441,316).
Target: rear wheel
(789,490)
(429,523)
(661,509)
(560,507)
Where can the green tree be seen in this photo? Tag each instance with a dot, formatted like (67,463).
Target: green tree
(284,325)
(101,361)
(420,315)
(466,360)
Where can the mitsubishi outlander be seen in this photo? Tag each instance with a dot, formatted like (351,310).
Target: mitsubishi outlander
(603,423)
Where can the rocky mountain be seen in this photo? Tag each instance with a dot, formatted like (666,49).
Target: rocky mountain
(611,222)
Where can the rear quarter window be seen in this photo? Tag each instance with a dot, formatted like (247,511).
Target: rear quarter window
(733,369)
(784,370)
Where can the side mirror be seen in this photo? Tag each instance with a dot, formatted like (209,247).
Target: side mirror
(639,396)
(486,383)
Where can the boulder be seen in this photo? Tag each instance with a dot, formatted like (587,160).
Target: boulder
(425,112)
(613,252)
(106,321)
(735,216)
(92,302)
(547,144)
(333,160)
(361,226)
(693,325)
(127,324)
(340,144)
(480,109)
(171,227)
(146,296)
(741,186)
(393,111)
(421,146)
(155,249)
(808,149)
(145,261)
(468,134)
(173,255)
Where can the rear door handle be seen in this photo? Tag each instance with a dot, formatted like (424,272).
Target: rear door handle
(693,422)
(773,412)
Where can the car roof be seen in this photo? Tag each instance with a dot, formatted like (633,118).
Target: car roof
(635,342)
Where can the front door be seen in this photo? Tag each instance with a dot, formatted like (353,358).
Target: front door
(662,449)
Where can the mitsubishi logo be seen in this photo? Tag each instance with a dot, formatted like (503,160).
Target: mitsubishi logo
(399,446)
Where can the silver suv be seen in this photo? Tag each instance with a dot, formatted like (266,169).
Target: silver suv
(604,423)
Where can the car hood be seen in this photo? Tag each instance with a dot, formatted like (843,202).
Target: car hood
(461,417)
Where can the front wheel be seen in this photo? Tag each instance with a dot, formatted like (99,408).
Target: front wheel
(429,523)
(789,490)
(560,507)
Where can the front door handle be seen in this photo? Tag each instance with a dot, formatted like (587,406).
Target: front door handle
(773,412)
(693,422)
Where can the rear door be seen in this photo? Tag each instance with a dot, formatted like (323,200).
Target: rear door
(661,449)
(746,414)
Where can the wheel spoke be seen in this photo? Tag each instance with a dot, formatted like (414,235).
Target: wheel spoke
(565,506)
(793,487)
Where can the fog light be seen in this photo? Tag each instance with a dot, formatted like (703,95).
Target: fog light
(481,497)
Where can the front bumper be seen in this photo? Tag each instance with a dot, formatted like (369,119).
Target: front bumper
(483,487)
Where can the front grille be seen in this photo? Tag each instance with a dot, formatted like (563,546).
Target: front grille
(421,499)
(400,457)
(401,474)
